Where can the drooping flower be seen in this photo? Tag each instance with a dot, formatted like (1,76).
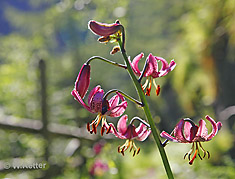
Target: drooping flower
(129,133)
(188,132)
(97,103)
(152,70)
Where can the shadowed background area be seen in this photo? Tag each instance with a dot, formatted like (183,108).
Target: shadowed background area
(43,45)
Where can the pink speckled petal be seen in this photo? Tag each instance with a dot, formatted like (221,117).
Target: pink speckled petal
(96,101)
(118,110)
(91,94)
(152,66)
(121,125)
(202,130)
(143,132)
(113,102)
(178,132)
(214,128)
(79,99)
(168,136)
(166,69)
(135,63)
(114,131)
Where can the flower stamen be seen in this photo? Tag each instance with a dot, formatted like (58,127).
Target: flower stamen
(102,130)
(157,87)
(149,88)
(194,156)
(108,130)
(145,84)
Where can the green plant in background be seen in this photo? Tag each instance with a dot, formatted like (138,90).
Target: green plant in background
(185,131)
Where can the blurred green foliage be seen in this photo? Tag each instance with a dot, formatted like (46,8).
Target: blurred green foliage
(199,35)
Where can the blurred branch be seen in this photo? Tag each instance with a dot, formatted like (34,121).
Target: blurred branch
(227,113)
(35,127)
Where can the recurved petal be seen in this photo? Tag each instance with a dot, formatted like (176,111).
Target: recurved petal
(169,68)
(187,129)
(96,103)
(202,130)
(135,63)
(178,132)
(215,127)
(117,110)
(144,134)
(113,102)
(91,94)
(152,66)
(121,125)
(168,137)
(219,125)
(140,129)
(190,131)
(79,99)
(120,96)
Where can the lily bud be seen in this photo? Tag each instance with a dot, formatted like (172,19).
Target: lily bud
(83,80)
(103,29)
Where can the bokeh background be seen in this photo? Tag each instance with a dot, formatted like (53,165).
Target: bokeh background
(43,45)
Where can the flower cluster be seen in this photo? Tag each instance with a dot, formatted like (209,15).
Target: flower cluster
(186,131)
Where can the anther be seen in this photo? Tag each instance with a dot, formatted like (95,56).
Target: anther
(185,155)
(194,156)
(115,50)
(204,154)
(108,130)
(158,90)
(189,156)
(147,91)
(94,128)
(122,151)
(88,126)
(208,154)
(138,151)
(119,149)
(134,153)
(104,39)
(102,130)
(199,156)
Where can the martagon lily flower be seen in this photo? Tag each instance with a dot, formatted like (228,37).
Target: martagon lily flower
(129,133)
(97,103)
(188,132)
(151,70)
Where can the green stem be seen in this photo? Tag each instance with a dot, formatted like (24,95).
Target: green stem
(105,60)
(147,113)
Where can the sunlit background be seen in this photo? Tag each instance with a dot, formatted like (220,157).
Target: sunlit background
(43,45)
